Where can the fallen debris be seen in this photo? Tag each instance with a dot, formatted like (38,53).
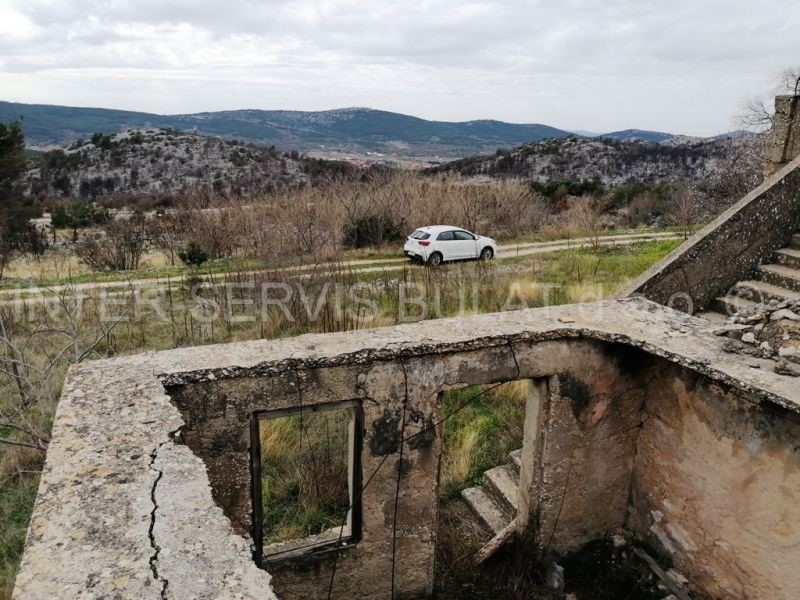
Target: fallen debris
(767,330)
(671,578)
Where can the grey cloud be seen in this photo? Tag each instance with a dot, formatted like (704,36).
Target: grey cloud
(522,60)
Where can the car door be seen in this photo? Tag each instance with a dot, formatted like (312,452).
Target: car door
(467,245)
(446,244)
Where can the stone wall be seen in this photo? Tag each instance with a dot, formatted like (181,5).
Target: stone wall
(717,486)
(588,434)
(618,437)
(218,415)
(783,145)
(581,456)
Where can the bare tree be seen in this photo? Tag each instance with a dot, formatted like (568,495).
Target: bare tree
(35,350)
(755,112)
(588,215)
(167,232)
(120,249)
(687,208)
(788,81)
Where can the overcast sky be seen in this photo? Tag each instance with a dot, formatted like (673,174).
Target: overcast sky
(675,65)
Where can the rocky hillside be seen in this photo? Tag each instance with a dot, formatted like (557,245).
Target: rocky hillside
(608,161)
(169,162)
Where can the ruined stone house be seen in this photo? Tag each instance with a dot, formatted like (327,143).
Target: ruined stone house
(636,418)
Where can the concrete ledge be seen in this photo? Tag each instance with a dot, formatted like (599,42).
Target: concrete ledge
(729,248)
(123,511)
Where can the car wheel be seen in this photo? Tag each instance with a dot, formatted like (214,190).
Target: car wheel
(435,259)
(487,253)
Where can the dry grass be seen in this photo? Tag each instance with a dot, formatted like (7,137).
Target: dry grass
(304,466)
(587,291)
(61,265)
(279,439)
(481,434)
(457,462)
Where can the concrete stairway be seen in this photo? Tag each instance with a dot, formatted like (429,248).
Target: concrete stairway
(495,502)
(778,281)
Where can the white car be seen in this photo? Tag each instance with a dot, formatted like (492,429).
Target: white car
(439,243)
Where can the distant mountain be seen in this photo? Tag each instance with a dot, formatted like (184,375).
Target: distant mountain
(584,133)
(607,161)
(642,135)
(354,130)
(47,125)
(733,134)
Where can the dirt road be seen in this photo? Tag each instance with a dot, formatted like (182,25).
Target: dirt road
(505,251)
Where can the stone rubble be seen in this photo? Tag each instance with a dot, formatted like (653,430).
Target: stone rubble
(766,331)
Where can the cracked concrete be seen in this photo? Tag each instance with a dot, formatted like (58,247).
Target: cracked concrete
(130,513)
(154,514)
(153,543)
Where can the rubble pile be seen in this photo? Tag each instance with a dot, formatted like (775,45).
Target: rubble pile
(768,330)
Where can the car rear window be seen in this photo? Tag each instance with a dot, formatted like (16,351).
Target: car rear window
(420,235)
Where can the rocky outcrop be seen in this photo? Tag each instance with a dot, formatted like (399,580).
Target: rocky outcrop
(606,161)
(167,162)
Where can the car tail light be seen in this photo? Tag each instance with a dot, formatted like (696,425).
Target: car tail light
(424,243)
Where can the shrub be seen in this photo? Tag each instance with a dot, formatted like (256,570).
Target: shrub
(193,254)
(120,249)
(373,230)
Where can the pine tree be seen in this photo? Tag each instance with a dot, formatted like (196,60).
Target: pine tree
(16,231)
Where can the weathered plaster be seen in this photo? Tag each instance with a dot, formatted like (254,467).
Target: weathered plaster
(585,458)
(717,486)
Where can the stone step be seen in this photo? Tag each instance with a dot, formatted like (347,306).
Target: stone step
(486,509)
(763,292)
(794,243)
(515,459)
(713,316)
(730,304)
(780,275)
(502,483)
(789,257)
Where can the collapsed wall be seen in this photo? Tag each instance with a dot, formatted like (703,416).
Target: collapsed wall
(637,419)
